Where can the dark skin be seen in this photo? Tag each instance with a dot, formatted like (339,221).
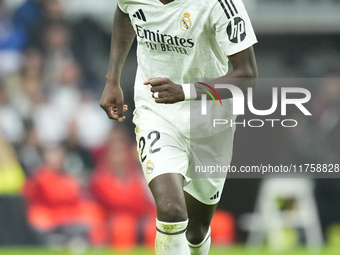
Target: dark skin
(166,2)
(172,203)
(112,100)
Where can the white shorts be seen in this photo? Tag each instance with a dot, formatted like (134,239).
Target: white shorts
(163,149)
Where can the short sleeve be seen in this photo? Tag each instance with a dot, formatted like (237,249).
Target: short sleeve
(233,29)
(123,6)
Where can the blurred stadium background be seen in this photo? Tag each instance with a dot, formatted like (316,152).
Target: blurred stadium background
(69,177)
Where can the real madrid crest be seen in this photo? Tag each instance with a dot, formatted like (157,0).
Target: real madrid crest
(149,167)
(186,22)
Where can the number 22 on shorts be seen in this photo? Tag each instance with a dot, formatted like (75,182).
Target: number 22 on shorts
(153,136)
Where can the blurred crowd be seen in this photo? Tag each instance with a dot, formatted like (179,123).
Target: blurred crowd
(79,174)
(46,95)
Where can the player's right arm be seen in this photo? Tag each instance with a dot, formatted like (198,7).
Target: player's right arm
(112,100)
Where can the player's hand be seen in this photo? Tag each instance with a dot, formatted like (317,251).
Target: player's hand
(165,91)
(112,102)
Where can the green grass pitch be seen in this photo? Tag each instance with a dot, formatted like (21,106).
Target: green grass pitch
(234,250)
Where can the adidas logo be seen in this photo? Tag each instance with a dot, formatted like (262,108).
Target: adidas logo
(140,15)
(215,196)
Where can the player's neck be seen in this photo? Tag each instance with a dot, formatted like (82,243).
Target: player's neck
(166,1)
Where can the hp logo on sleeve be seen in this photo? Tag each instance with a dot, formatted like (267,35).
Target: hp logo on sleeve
(236,30)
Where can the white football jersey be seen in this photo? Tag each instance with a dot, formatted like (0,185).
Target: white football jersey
(182,40)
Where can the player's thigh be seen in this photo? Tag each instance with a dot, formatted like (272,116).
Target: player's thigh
(210,158)
(199,212)
(167,190)
(200,216)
